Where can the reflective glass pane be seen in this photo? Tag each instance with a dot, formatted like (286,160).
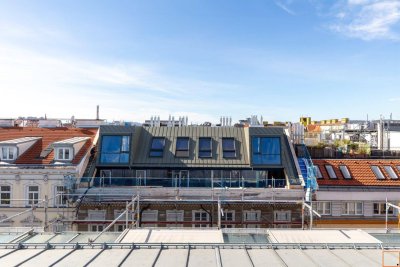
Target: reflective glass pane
(228,144)
(205,144)
(266,150)
(182,143)
(111,144)
(156,153)
(125,143)
(256,145)
(205,154)
(124,158)
(109,158)
(158,143)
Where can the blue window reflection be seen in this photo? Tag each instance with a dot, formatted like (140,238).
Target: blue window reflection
(266,150)
(157,147)
(115,149)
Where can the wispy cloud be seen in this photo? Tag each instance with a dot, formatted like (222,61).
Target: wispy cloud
(284,5)
(367,19)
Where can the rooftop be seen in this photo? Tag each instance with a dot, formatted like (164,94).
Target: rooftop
(47,137)
(167,247)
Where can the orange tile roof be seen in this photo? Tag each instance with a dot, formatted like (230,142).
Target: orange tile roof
(49,136)
(360,170)
(313,128)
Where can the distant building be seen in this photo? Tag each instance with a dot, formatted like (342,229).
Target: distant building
(39,167)
(352,192)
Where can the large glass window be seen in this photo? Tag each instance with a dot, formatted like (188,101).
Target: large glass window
(5,195)
(380,209)
(115,149)
(266,150)
(157,147)
(318,172)
(205,147)
(322,207)
(228,148)
(182,147)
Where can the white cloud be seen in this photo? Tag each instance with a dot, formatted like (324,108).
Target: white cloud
(368,20)
(284,5)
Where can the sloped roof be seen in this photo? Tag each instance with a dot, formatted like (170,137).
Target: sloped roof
(48,136)
(360,170)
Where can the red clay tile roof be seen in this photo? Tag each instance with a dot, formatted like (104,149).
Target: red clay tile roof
(313,128)
(360,170)
(49,135)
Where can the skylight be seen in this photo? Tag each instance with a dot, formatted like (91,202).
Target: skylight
(205,147)
(378,173)
(318,172)
(330,171)
(157,147)
(228,148)
(345,172)
(391,172)
(182,147)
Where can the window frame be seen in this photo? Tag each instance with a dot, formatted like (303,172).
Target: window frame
(288,215)
(5,192)
(226,152)
(348,208)
(346,172)
(122,153)
(183,151)
(318,172)
(7,150)
(392,174)
(59,201)
(63,151)
(201,223)
(32,201)
(329,168)
(257,215)
(206,150)
(378,172)
(321,207)
(157,152)
(263,154)
(382,209)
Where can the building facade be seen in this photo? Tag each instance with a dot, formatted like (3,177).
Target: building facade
(193,176)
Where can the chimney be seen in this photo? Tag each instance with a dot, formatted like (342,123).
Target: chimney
(97,112)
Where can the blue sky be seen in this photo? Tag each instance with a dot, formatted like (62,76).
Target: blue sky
(280,59)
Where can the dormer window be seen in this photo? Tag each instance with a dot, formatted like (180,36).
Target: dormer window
(8,153)
(64,153)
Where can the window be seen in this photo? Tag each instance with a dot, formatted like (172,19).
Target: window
(330,171)
(323,208)
(115,149)
(174,216)
(96,215)
(96,227)
(228,148)
(282,216)
(266,150)
(33,195)
(352,208)
(205,147)
(318,172)
(345,171)
(60,197)
(182,147)
(5,195)
(380,209)
(157,147)
(150,216)
(252,215)
(378,173)
(8,153)
(391,172)
(63,153)
(199,217)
